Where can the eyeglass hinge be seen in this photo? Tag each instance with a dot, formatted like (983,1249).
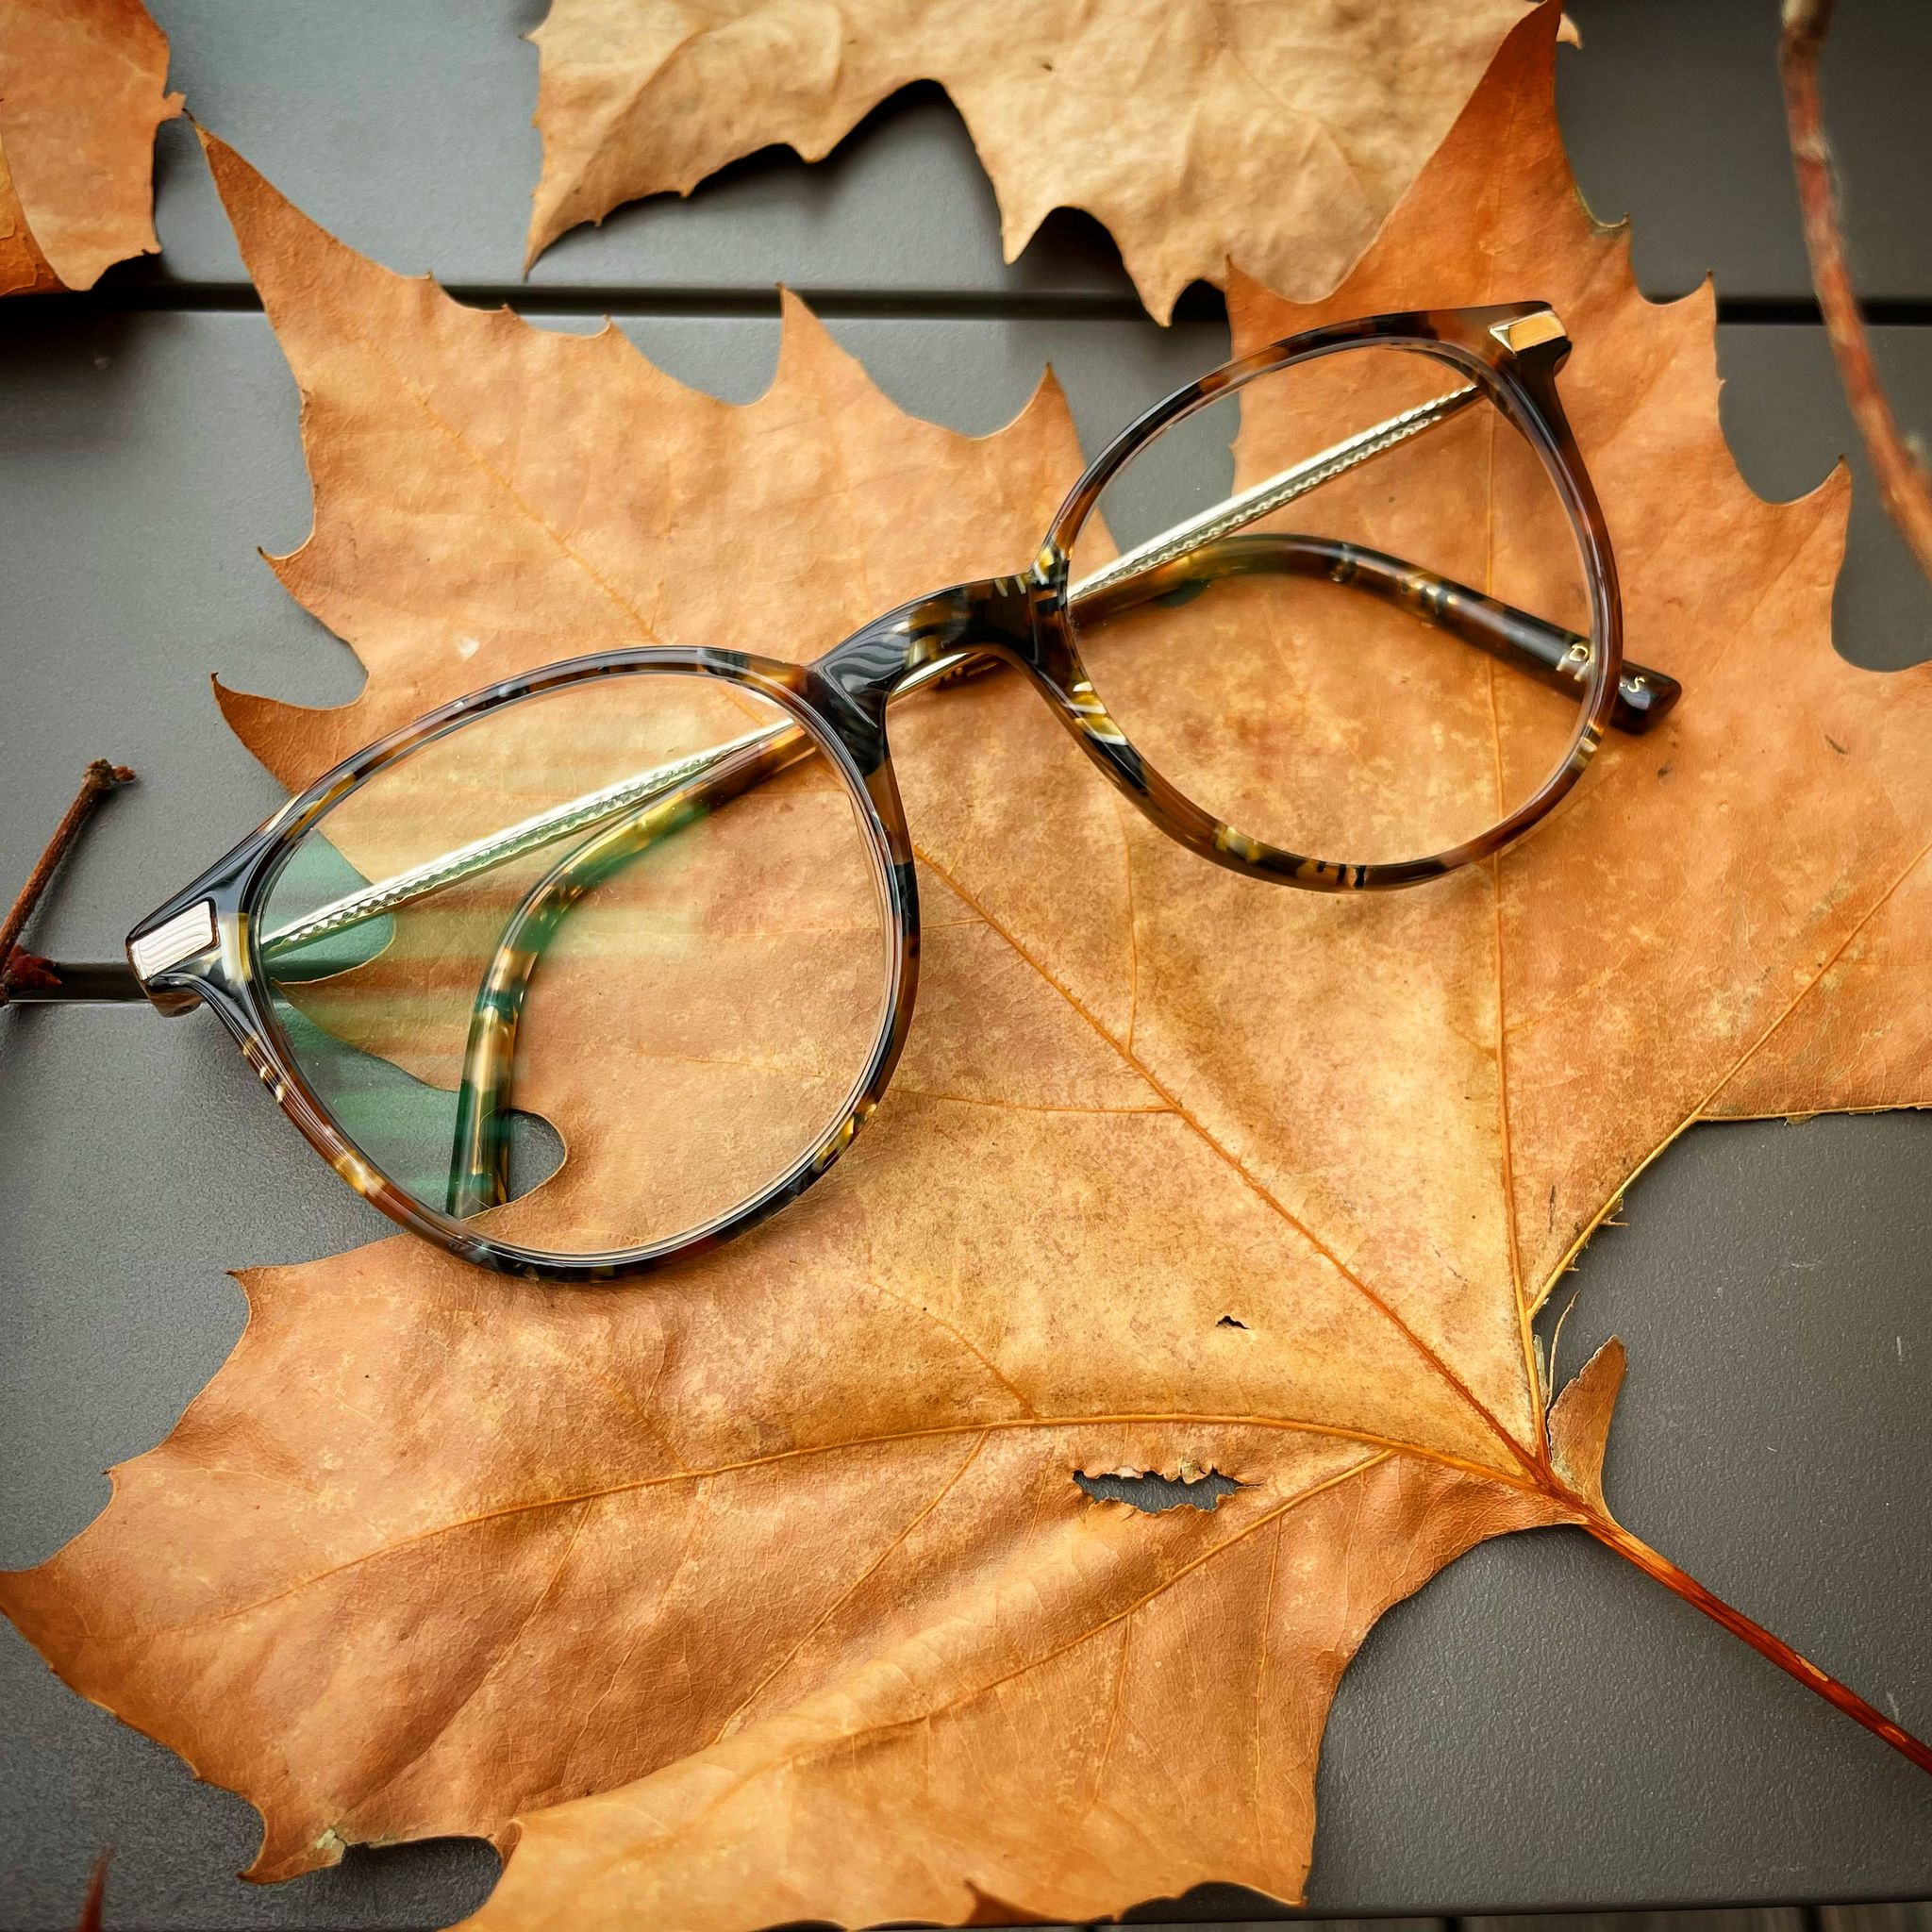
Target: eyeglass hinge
(1529,331)
(183,937)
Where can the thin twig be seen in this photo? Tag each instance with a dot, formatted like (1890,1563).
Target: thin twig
(1903,484)
(91,1907)
(21,968)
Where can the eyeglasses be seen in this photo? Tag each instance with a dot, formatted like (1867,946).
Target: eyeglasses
(1349,595)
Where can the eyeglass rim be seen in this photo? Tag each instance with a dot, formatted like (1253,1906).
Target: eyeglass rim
(239,991)
(1520,381)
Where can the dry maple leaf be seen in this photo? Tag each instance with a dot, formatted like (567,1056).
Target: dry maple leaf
(790,1538)
(82,90)
(1279,136)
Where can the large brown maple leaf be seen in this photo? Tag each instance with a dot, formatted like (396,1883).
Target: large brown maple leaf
(682,1572)
(82,90)
(1280,136)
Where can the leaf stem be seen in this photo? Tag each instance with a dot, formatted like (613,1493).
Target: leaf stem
(100,779)
(1680,1583)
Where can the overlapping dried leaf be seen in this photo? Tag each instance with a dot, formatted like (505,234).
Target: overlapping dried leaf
(1279,136)
(82,90)
(782,1555)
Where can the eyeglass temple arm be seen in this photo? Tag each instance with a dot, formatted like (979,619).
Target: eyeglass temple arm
(77,983)
(1554,657)
(1191,555)
(480,1159)
(1197,552)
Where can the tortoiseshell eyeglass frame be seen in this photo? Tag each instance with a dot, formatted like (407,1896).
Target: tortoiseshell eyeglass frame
(205,944)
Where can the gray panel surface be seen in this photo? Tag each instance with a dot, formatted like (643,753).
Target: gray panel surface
(1540,1726)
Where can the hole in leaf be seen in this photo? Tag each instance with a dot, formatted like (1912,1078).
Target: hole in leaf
(1156,1493)
(1229,1322)
(536,1152)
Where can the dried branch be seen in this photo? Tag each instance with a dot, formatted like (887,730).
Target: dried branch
(1903,484)
(18,968)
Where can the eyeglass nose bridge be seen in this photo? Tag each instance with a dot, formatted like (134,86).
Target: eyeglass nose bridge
(936,639)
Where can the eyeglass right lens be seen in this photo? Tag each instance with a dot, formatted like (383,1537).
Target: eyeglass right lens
(1342,608)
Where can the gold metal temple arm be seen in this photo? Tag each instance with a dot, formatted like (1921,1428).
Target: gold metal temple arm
(526,835)
(1261,499)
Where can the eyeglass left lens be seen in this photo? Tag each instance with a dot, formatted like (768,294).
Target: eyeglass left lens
(601,966)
